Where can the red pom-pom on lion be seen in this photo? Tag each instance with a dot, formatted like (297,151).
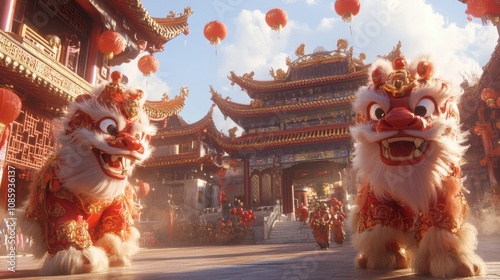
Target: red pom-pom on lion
(410,209)
(81,206)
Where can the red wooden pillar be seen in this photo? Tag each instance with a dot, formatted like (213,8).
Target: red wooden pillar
(7,9)
(287,193)
(301,196)
(246,183)
(93,67)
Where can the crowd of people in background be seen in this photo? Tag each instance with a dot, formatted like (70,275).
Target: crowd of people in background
(325,221)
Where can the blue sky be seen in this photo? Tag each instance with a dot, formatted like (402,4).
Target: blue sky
(435,28)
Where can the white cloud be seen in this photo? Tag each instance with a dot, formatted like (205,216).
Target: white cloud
(327,24)
(254,46)
(308,2)
(381,24)
(311,2)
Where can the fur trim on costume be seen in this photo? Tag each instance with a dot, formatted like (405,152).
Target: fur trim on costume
(73,261)
(120,253)
(443,254)
(372,244)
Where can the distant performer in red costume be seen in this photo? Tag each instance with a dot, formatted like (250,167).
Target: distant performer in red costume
(411,211)
(321,226)
(81,207)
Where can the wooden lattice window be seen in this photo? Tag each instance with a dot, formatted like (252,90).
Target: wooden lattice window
(266,189)
(31,141)
(72,14)
(255,187)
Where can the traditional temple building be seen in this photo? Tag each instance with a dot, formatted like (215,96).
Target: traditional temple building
(48,56)
(480,113)
(481,163)
(182,170)
(296,127)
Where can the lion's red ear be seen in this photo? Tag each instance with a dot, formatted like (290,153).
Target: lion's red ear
(83,97)
(78,120)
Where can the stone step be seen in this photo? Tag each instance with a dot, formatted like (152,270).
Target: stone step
(290,232)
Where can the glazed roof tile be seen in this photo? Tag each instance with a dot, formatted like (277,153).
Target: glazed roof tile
(253,86)
(285,138)
(156,30)
(233,109)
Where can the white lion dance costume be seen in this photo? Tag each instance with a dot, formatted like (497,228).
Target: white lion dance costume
(410,210)
(81,207)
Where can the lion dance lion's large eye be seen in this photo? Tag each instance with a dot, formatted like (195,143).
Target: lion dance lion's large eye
(108,125)
(425,108)
(376,112)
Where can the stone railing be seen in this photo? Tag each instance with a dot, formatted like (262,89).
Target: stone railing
(269,220)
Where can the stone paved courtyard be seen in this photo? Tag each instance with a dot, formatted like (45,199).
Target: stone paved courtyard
(271,261)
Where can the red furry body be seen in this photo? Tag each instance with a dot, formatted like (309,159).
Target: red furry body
(410,210)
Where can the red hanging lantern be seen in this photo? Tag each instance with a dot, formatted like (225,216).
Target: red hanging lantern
(10,108)
(489,96)
(347,9)
(484,9)
(148,64)
(276,19)
(215,31)
(111,43)
(143,189)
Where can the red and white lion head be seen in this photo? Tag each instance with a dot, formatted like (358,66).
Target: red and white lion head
(101,138)
(407,136)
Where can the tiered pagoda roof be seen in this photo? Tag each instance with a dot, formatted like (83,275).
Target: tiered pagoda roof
(284,138)
(177,128)
(237,110)
(320,67)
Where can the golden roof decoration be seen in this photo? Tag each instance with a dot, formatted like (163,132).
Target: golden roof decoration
(256,103)
(320,56)
(301,50)
(232,132)
(248,76)
(280,74)
(214,92)
(184,92)
(396,52)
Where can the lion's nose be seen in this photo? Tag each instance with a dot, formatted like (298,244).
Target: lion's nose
(400,118)
(125,140)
